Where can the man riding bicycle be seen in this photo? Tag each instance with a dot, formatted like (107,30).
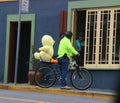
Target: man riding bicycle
(65,51)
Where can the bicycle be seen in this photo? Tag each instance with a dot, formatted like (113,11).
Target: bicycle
(81,78)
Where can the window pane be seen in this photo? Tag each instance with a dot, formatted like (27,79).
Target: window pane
(116,37)
(104,37)
(91,37)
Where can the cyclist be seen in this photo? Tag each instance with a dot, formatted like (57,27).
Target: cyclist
(65,51)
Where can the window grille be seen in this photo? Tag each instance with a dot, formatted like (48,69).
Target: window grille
(102,44)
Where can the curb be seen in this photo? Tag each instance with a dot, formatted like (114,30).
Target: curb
(53,90)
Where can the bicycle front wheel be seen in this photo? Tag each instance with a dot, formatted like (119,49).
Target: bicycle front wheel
(81,79)
(45,77)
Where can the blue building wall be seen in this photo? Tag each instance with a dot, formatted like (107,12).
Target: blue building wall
(47,21)
(47,18)
(103,80)
(47,15)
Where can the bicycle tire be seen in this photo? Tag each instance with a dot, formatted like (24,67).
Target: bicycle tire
(45,77)
(82,82)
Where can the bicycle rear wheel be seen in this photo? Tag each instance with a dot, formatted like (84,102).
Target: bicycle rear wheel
(45,77)
(81,79)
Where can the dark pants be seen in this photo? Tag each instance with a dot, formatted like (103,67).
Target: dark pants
(64,62)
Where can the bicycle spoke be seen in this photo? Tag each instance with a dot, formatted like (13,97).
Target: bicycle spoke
(81,79)
(47,79)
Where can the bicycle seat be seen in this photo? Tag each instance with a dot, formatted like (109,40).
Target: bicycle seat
(49,61)
(45,61)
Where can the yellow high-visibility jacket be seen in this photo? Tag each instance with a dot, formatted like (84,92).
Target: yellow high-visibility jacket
(65,47)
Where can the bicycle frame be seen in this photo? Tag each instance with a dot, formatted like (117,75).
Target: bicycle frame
(81,78)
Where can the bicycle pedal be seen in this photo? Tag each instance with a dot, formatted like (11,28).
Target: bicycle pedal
(59,78)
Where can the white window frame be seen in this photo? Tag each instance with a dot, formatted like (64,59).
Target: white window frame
(97,61)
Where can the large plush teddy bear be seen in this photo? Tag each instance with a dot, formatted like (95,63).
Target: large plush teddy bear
(46,51)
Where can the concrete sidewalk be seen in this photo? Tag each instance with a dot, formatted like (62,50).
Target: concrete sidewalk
(57,90)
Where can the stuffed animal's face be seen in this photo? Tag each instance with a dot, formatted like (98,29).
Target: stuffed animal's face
(47,40)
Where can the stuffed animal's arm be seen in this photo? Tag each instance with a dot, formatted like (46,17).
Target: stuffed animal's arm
(45,48)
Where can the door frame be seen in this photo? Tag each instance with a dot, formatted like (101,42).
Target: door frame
(14,18)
